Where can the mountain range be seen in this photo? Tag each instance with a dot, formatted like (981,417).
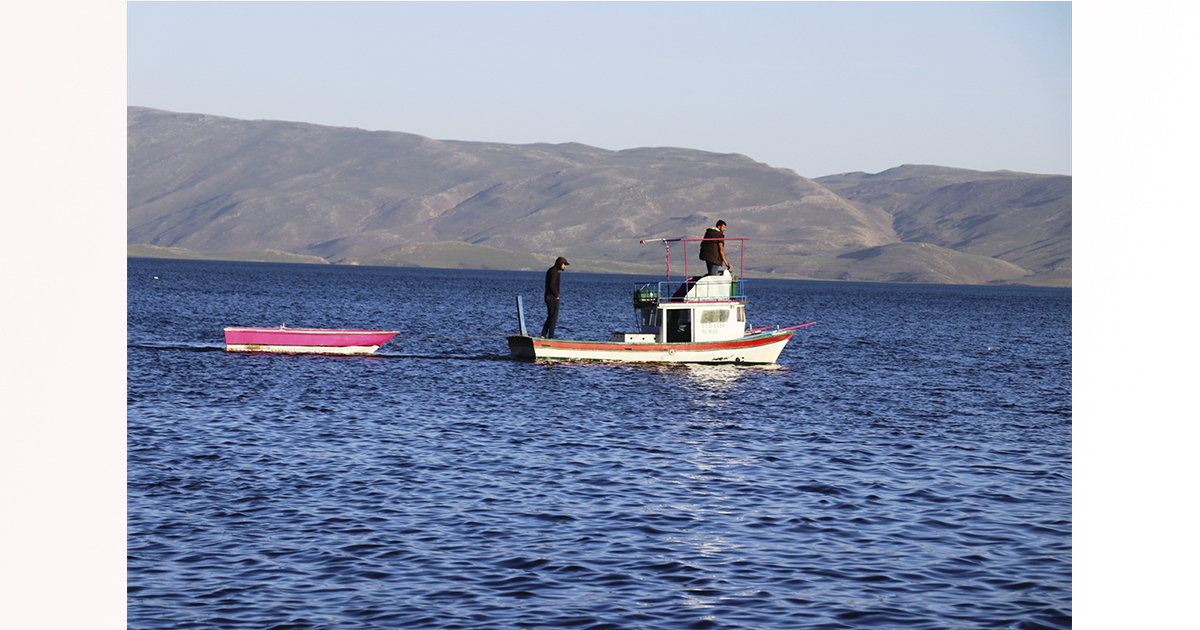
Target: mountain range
(216,187)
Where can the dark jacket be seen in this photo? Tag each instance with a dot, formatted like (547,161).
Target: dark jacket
(710,251)
(552,278)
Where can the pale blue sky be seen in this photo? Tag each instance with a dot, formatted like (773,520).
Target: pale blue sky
(820,88)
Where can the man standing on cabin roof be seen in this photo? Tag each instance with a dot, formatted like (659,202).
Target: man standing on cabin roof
(713,252)
(552,301)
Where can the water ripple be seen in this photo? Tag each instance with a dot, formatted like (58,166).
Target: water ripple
(918,478)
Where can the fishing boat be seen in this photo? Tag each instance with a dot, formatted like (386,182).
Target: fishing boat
(701,319)
(305,340)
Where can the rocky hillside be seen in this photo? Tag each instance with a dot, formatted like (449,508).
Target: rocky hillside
(1015,217)
(211,185)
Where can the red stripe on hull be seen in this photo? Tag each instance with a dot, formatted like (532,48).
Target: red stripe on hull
(758,349)
(568,344)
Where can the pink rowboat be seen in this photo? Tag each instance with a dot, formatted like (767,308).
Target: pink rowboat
(306,340)
(699,319)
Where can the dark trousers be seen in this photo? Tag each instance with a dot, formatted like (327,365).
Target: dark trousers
(551,317)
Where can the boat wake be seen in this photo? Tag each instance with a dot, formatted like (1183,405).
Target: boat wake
(205,347)
(186,347)
(457,357)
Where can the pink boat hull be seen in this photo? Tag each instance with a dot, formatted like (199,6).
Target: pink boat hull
(306,340)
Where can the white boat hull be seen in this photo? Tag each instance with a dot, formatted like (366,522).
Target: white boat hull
(762,348)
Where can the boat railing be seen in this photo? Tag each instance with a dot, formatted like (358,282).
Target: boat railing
(690,290)
(740,240)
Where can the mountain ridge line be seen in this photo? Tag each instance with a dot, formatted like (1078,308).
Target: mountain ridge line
(216,185)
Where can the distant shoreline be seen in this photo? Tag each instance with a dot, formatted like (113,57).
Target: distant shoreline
(231,257)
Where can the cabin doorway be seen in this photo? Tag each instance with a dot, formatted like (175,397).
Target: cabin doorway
(679,325)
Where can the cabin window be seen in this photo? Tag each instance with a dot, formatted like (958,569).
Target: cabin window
(646,317)
(679,324)
(713,316)
(742,314)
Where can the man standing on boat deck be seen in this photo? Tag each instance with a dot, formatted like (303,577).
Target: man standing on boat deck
(552,278)
(713,252)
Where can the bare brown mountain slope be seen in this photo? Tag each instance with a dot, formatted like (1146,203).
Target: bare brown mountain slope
(211,184)
(216,184)
(1020,218)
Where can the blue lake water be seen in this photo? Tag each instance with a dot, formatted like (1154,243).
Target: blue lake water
(906,465)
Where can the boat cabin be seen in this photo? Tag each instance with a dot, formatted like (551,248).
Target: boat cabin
(702,308)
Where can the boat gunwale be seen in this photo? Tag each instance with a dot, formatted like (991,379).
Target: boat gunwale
(313,331)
